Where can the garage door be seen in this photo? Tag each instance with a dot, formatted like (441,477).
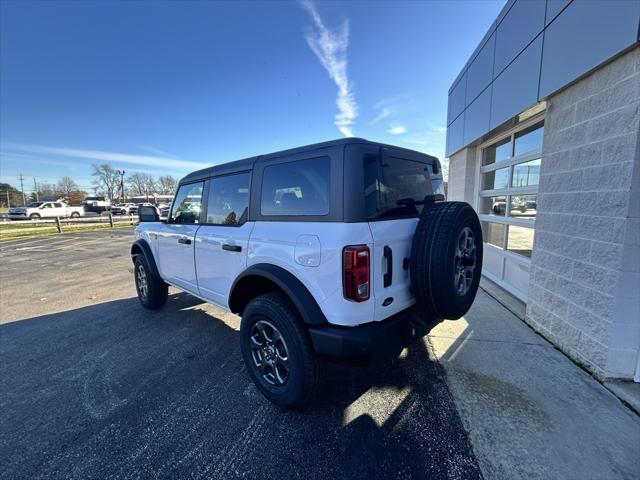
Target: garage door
(507,204)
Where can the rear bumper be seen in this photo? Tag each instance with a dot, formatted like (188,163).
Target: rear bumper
(376,340)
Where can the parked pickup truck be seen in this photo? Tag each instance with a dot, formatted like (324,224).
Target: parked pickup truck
(37,210)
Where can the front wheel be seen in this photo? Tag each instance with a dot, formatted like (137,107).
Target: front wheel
(34,216)
(152,291)
(277,351)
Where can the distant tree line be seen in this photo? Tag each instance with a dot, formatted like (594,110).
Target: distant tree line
(112,183)
(64,189)
(107,181)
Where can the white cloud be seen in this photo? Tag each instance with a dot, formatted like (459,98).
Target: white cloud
(397,129)
(331,49)
(149,161)
(437,128)
(384,113)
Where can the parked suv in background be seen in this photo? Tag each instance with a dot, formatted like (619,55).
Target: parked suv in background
(341,251)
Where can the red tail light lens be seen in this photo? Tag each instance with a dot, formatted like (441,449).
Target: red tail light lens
(355,276)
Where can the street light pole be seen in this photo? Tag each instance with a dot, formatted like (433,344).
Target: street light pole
(121,172)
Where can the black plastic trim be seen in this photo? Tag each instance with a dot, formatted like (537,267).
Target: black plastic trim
(387,278)
(289,284)
(370,341)
(148,255)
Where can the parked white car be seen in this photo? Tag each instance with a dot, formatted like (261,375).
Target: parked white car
(37,210)
(124,208)
(343,251)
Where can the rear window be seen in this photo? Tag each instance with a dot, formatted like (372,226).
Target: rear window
(296,188)
(394,185)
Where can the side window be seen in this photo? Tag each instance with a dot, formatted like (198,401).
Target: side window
(395,189)
(187,204)
(47,205)
(228,202)
(296,188)
(57,205)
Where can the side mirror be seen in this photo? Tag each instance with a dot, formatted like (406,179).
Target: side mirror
(148,214)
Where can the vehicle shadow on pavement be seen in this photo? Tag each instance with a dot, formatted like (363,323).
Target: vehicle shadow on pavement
(115,391)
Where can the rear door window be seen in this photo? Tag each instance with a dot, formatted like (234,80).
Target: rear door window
(393,185)
(228,201)
(296,188)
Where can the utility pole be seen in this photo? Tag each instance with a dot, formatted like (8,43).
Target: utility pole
(35,189)
(24,200)
(122,185)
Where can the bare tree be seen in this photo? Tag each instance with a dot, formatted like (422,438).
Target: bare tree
(106,179)
(45,191)
(167,185)
(65,186)
(141,183)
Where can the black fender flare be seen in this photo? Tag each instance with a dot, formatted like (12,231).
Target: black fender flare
(142,245)
(296,291)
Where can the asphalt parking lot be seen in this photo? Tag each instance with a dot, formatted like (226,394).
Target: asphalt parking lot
(93,386)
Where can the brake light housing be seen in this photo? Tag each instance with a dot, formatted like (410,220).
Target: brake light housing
(356,278)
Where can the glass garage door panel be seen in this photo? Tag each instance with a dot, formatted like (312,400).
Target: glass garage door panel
(508,204)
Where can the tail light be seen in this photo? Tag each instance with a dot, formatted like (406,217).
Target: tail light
(355,273)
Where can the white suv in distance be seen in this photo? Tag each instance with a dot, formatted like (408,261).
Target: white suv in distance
(343,251)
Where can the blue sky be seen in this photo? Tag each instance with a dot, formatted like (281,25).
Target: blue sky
(168,87)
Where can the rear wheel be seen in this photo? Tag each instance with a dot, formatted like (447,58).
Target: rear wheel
(446,259)
(277,351)
(75,214)
(152,291)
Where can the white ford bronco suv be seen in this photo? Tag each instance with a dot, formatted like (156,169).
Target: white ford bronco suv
(343,251)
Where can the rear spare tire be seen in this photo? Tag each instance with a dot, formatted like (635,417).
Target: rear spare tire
(446,259)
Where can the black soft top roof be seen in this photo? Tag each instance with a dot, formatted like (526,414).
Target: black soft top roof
(248,163)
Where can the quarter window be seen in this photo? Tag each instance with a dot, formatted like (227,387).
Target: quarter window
(296,188)
(228,202)
(393,186)
(187,204)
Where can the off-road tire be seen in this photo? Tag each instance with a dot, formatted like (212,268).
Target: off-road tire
(435,263)
(156,292)
(302,381)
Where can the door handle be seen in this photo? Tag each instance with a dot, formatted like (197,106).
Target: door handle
(231,248)
(184,241)
(388,277)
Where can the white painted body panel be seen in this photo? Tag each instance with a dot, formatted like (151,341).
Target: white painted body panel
(176,260)
(311,251)
(216,269)
(275,243)
(398,235)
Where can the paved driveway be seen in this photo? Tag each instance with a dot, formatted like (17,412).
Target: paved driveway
(93,386)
